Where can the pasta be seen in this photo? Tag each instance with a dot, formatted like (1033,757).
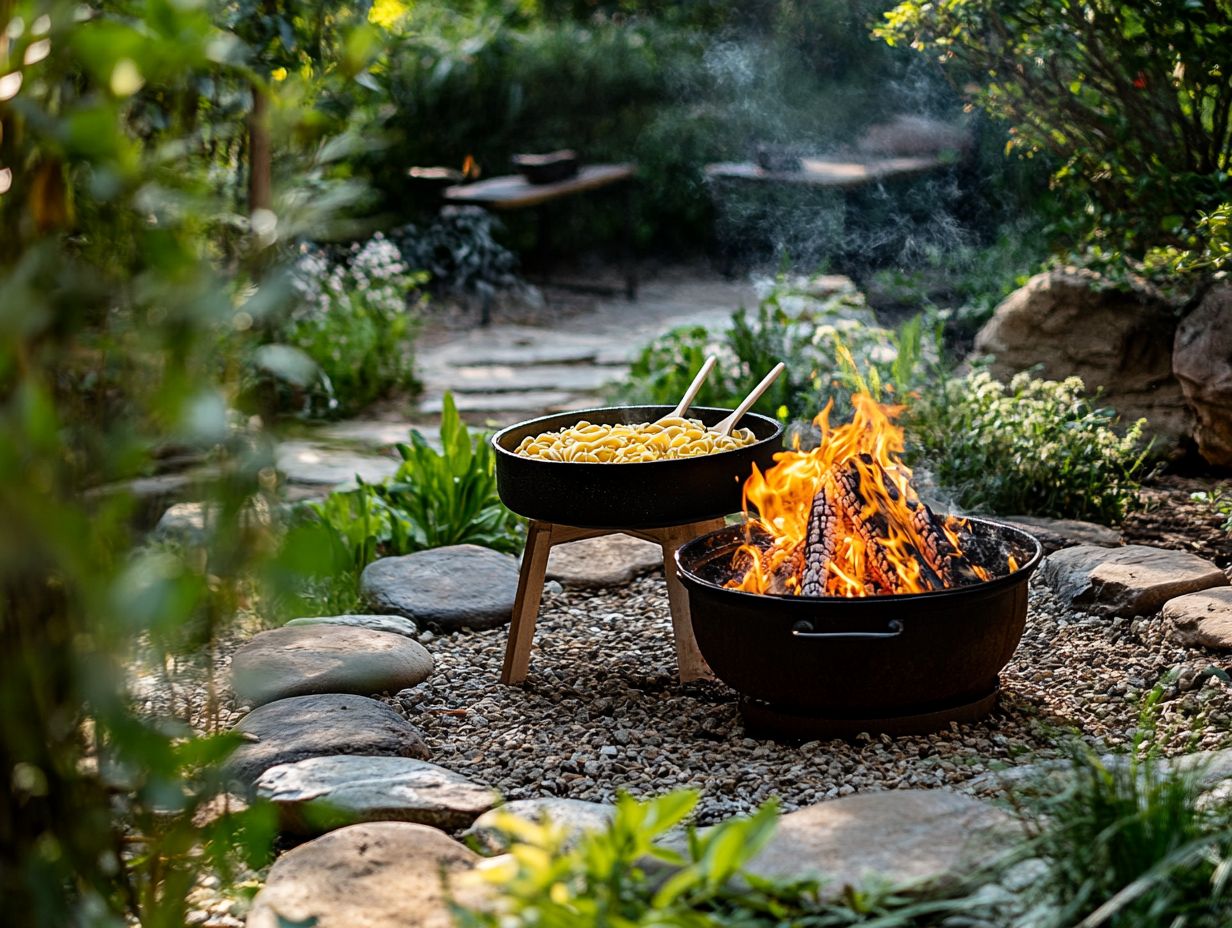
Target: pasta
(590,443)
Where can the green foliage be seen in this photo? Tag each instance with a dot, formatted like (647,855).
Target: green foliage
(1034,447)
(823,339)
(1132,99)
(1134,843)
(1219,501)
(435,499)
(633,874)
(354,320)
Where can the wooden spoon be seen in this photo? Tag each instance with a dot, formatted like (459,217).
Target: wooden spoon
(725,427)
(687,399)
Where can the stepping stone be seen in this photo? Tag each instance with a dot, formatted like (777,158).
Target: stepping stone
(192,524)
(576,816)
(1055,534)
(530,401)
(326,659)
(289,730)
(393,624)
(924,837)
(1201,620)
(374,433)
(322,793)
(1127,581)
(375,875)
(308,463)
(609,560)
(509,379)
(458,586)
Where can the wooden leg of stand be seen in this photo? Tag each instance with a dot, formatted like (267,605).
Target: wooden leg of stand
(689,660)
(526,603)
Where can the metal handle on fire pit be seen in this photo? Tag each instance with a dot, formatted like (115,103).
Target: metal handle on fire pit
(804,629)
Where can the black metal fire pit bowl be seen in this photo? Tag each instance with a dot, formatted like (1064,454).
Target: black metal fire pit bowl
(652,494)
(812,667)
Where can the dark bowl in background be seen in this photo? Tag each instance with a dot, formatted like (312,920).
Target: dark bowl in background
(851,658)
(652,494)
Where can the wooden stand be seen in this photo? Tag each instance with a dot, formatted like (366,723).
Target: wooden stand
(542,536)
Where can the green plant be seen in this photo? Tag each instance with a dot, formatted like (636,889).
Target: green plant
(1134,842)
(633,875)
(821,337)
(1219,501)
(1034,447)
(1133,99)
(354,320)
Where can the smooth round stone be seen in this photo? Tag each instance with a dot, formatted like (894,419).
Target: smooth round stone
(1127,581)
(459,586)
(1202,619)
(576,816)
(295,729)
(608,560)
(299,661)
(322,793)
(394,624)
(374,875)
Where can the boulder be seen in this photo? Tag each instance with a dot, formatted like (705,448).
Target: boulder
(609,560)
(393,624)
(323,793)
(298,661)
(375,875)
(576,816)
(294,729)
(927,837)
(1202,362)
(459,586)
(1127,581)
(1068,322)
(1202,619)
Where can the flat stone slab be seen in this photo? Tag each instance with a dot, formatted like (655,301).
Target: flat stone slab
(459,586)
(299,661)
(1202,619)
(531,401)
(311,464)
(1127,581)
(393,624)
(374,875)
(507,378)
(919,837)
(609,560)
(576,816)
(375,433)
(300,727)
(1055,534)
(323,793)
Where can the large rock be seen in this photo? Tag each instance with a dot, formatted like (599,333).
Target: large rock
(1055,534)
(1201,619)
(394,624)
(460,586)
(308,463)
(1133,580)
(608,560)
(1067,324)
(298,661)
(575,816)
(294,729)
(919,837)
(376,875)
(1202,362)
(323,793)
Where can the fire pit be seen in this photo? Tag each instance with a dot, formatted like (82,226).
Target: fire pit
(846,605)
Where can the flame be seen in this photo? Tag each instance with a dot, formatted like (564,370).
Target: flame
(881,538)
(470,168)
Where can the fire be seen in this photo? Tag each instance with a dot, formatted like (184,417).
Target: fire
(470,168)
(844,520)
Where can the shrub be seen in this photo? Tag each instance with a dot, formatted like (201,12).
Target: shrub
(353,320)
(1034,447)
(1132,99)
(823,339)
(628,875)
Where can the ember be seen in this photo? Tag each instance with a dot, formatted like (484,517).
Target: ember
(844,520)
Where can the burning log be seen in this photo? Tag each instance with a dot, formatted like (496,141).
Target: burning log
(819,544)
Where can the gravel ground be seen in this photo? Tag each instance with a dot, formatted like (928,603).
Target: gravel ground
(601,710)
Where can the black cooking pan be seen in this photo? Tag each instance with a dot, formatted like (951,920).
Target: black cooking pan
(643,495)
